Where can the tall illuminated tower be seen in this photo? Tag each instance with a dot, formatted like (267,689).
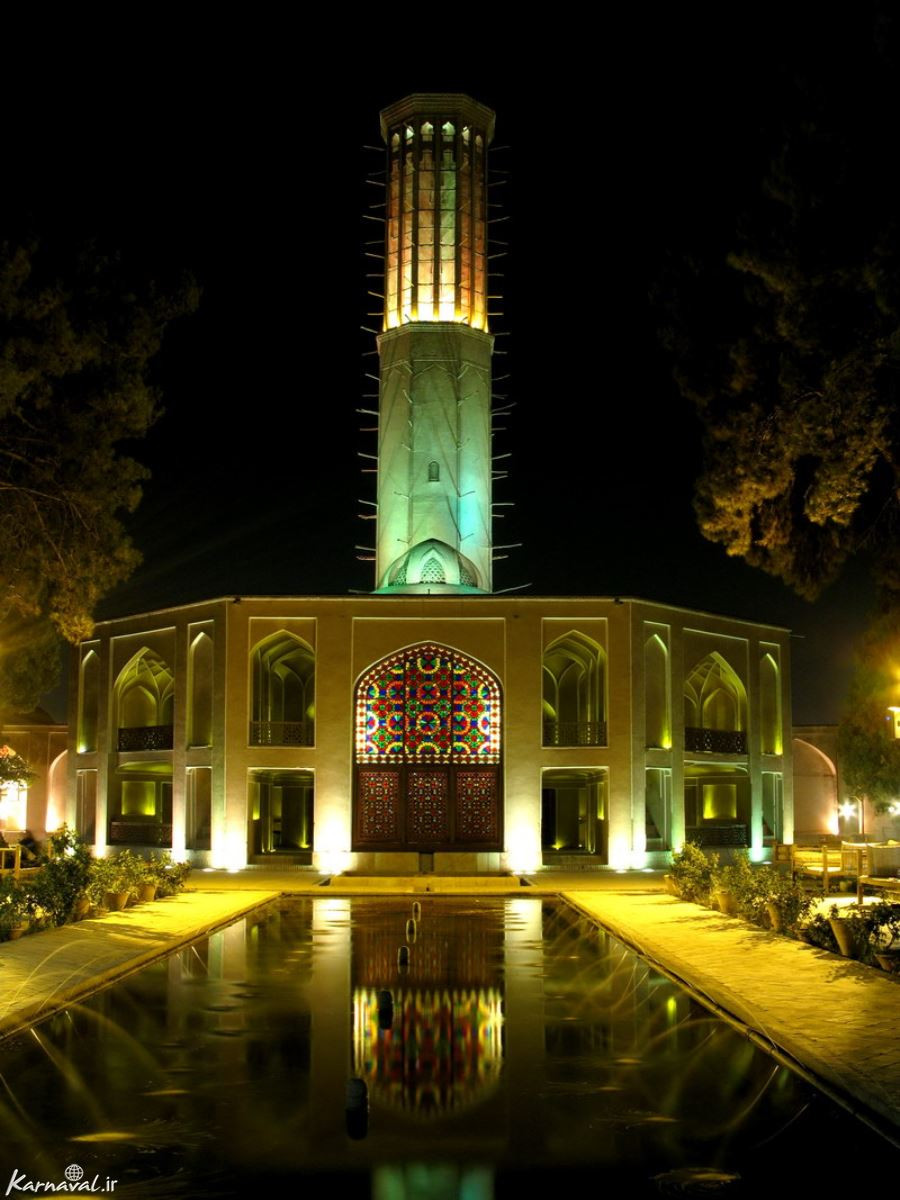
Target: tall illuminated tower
(434,419)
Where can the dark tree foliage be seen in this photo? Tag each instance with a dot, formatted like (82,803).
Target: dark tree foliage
(784,329)
(77,338)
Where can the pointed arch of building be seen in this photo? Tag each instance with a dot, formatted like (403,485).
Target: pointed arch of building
(283,691)
(200,693)
(770,704)
(55,811)
(715,707)
(574,691)
(427,772)
(657,693)
(815,790)
(144,698)
(88,701)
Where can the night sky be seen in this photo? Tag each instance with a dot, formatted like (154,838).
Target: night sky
(249,169)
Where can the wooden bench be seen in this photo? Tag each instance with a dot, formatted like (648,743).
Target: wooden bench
(10,860)
(884,883)
(816,862)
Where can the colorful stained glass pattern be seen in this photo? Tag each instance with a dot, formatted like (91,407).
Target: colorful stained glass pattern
(443,1053)
(427,807)
(428,704)
(379,806)
(476,806)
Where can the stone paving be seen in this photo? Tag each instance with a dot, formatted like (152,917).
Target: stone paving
(836,1018)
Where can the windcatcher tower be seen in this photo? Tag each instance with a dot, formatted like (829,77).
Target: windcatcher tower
(434,408)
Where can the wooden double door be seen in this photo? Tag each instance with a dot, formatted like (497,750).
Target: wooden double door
(427,807)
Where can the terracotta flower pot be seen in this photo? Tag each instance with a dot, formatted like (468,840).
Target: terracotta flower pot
(670,883)
(116,901)
(147,892)
(727,902)
(775,919)
(845,937)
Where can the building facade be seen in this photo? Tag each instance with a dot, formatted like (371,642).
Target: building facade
(400,733)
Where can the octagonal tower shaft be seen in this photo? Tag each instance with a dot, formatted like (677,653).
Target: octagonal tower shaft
(434,425)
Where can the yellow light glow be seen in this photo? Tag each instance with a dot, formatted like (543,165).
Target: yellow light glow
(229,851)
(848,809)
(332,841)
(523,850)
(333,862)
(13,806)
(619,852)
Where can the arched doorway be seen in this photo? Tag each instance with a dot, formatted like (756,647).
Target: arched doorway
(427,758)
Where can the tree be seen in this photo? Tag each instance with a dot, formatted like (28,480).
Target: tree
(78,334)
(786,339)
(868,750)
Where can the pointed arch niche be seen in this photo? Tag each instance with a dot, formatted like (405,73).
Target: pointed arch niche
(770,701)
(200,690)
(657,690)
(715,708)
(427,771)
(88,701)
(574,692)
(144,692)
(283,702)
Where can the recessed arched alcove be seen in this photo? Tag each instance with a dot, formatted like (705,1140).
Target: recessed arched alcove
(88,702)
(283,703)
(200,690)
(715,708)
(574,692)
(144,694)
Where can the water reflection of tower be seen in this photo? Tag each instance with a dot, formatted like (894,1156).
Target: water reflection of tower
(434,427)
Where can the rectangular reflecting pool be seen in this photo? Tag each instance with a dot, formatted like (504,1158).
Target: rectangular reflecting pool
(519,1045)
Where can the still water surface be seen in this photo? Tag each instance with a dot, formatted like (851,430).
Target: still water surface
(520,1046)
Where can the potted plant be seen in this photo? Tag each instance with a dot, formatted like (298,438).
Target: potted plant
(851,931)
(882,921)
(733,886)
(692,871)
(787,905)
(168,876)
(14,914)
(111,881)
(60,885)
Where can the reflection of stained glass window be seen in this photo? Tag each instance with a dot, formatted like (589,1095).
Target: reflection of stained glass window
(428,704)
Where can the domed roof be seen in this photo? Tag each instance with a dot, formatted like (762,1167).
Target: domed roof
(428,563)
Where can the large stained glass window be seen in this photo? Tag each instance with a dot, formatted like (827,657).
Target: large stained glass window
(428,704)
